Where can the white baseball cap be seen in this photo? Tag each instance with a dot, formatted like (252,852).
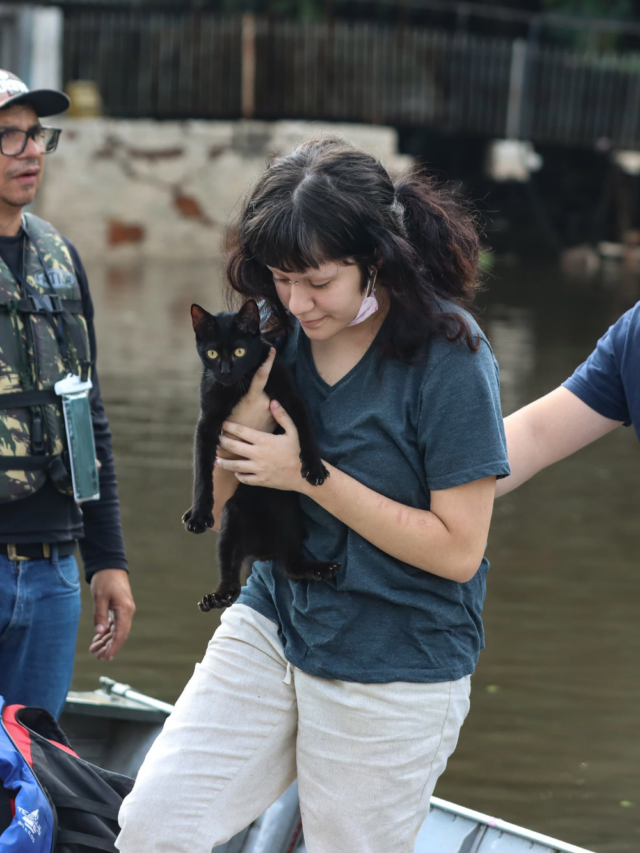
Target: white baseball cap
(45,102)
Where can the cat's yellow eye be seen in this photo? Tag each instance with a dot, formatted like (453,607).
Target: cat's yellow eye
(212,353)
(240,352)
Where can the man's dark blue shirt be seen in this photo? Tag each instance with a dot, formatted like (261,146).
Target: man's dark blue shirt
(609,380)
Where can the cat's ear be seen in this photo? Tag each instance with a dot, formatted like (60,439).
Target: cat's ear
(201,319)
(248,319)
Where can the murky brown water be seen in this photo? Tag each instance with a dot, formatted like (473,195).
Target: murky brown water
(553,738)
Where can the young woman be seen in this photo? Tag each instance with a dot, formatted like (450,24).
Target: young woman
(356,685)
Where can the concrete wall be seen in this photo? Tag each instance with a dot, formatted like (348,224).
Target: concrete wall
(144,189)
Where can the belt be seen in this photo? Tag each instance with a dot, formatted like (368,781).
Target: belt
(36,550)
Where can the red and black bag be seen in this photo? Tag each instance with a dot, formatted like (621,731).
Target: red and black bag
(51,800)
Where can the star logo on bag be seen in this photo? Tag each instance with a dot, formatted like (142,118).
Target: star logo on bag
(29,822)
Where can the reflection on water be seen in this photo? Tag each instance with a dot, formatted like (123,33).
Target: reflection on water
(511,334)
(553,739)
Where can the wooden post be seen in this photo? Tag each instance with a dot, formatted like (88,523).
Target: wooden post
(516,89)
(248,65)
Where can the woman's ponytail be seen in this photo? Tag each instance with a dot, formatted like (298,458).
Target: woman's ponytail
(442,232)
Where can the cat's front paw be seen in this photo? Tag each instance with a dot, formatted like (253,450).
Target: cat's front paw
(224,596)
(197,520)
(314,472)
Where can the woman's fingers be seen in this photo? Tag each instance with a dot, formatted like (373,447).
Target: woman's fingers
(238,448)
(240,466)
(247,479)
(283,418)
(261,375)
(248,435)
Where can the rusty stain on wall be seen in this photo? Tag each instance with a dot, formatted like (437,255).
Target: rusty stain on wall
(190,207)
(152,154)
(122,232)
(123,278)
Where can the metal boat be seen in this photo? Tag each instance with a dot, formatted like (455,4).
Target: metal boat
(114,727)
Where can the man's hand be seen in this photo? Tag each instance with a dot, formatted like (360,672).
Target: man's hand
(113,609)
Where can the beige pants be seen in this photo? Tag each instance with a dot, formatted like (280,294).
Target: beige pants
(367,756)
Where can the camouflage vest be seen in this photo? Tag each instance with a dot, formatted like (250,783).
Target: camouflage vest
(43,336)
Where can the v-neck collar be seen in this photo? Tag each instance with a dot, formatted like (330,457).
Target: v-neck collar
(325,388)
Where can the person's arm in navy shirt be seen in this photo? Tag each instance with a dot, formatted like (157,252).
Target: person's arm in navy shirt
(102,546)
(591,403)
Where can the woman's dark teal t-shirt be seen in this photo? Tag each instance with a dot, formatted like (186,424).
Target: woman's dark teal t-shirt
(404,431)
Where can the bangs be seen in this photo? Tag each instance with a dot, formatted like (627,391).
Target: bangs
(285,240)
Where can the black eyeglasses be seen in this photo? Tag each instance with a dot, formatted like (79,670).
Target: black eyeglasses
(13,141)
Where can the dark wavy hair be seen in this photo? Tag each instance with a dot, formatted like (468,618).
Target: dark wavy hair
(328,201)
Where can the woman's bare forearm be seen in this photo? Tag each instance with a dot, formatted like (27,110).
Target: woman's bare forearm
(448,542)
(547,430)
(225,484)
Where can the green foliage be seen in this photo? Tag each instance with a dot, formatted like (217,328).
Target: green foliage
(591,39)
(591,8)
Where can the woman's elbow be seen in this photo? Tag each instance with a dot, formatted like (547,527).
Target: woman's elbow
(468,571)
(459,571)
(467,565)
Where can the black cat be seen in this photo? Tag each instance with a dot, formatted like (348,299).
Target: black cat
(257,523)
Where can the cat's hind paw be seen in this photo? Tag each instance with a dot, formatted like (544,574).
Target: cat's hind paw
(326,571)
(197,521)
(311,570)
(222,597)
(314,473)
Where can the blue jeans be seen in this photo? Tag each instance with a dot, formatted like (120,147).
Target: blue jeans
(39,614)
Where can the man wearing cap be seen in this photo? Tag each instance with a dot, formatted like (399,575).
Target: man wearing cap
(46,332)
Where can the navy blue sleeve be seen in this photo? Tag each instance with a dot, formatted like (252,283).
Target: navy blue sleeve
(598,381)
(103,545)
(461,432)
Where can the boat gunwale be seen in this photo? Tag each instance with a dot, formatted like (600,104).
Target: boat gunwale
(506,827)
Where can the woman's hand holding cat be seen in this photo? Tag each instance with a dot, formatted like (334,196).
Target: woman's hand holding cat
(253,409)
(268,460)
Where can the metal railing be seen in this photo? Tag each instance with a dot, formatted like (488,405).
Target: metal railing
(157,64)
(200,65)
